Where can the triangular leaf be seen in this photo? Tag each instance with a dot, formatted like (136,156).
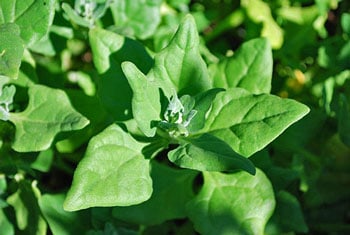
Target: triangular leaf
(172,189)
(249,122)
(49,112)
(114,158)
(250,68)
(181,63)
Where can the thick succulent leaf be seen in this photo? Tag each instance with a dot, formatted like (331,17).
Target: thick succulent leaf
(33,17)
(28,215)
(250,68)
(146,105)
(138,18)
(109,50)
(114,158)
(209,153)
(181,63)
(60,221)
(11,50)
(236,203)
(172,189)
(249,122)
(49,112)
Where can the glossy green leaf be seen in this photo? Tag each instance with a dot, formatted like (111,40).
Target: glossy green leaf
(60,221)
(25,203)
(250,68)
(172,189)
(109,50)
(181,63)
(209,153)
(249,122)
(33,17)
(260,12)
(49,112)
(236,203)
(138,18)
(114,158)
(11,50)
(146,104)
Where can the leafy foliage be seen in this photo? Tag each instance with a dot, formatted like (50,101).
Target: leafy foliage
(174,117)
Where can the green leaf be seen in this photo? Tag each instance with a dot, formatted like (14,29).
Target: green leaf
(172,189)
(109,50)
(11,50)
(6,98)
(49,112)
(60,221)
(146,104)
(345,23)
(208,153)
(114,158)
(260,12)
(203,103)
(236,203)
(250,68)
(288,207)
(33,17)
(138,18)
(6,227)
(25,203)
(249,122)
(181,63)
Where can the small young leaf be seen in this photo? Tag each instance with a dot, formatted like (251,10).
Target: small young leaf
(6,98)
(249,122)
(49,112)
(250,68)
(33,17)
(236,203)
(11,50)
(208,153)
(146,99)
(114,158)
(172,189)
(6,227)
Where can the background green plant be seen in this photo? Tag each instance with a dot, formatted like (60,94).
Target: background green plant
(89,143)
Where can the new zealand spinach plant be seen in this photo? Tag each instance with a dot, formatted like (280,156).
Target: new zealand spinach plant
(122,117)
